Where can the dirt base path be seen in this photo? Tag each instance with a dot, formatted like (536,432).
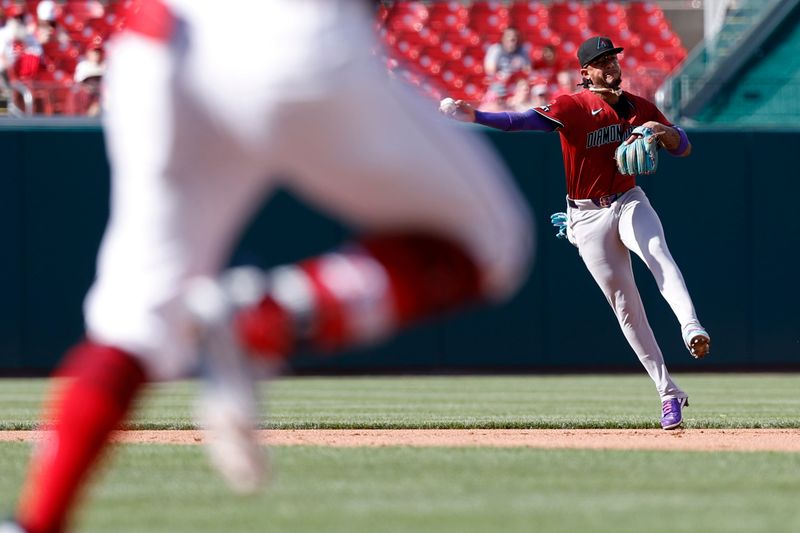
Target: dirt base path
(778,440)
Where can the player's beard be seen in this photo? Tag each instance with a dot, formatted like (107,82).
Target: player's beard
(609,81)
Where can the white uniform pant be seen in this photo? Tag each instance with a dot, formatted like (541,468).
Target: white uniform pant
(604,237)
(198,138)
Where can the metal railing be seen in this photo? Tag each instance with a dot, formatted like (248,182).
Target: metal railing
(698,70)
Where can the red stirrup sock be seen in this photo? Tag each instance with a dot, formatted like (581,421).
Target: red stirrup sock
(359,294)
(101,384)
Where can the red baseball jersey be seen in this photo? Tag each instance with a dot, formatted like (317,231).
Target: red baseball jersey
(590,132)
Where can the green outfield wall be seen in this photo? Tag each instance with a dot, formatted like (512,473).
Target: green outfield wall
(728,212)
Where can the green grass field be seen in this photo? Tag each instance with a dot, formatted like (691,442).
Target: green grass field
(316,489)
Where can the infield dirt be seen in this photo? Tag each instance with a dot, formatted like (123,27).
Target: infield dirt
(777,440)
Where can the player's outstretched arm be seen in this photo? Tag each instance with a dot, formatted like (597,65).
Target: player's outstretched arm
(504,120)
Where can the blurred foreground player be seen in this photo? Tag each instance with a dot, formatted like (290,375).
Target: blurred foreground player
(195,138)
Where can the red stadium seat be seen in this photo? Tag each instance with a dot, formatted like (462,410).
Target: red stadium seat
(492,16)
(465,37)
(448,17)
(629,62)
(472,65)
(424,37)
(490,22)
(487,6)
(541,36)
(568,48)
(643,10)
(64,56)
(452,79)
(627,39)
(387,37)
(447,51)
(522,10)
(561,12)
(608,18)
(407,51)
(530,23)
(76,14)
(404,22)
(431,66)
(416,9)
(438,9)
(429,37)
(472,91)
(87,38)
(443,43)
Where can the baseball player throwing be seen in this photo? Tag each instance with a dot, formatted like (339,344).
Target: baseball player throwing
(607,214)
(197,138)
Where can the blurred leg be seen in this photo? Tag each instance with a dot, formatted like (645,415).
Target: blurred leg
(442,221)
(100,385)
(174,210)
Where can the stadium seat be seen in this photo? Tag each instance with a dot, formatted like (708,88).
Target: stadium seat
(64,56)
(432,66)
(407,51)
(452,78)
(490,23)
(466,37)
(569,12)
(472,63)
(436,44)
(404,22)
(643,10)
(522,10)
(439,9)
(465,29)
(608,18)
(448,17)
(447,51)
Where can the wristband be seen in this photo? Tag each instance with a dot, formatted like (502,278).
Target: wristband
(683,145)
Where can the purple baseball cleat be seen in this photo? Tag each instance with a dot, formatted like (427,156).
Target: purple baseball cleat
(671,416)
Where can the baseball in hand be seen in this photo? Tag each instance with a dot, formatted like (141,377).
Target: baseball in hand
(448,106)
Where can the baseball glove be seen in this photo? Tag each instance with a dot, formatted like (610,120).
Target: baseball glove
(641,155)
(559,220)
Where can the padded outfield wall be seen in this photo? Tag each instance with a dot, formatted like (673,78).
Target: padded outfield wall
(728,211)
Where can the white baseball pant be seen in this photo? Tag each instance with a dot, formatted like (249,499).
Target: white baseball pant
(199,136)
(604,237)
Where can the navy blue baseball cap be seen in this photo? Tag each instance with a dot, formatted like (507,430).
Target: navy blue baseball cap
(594,48)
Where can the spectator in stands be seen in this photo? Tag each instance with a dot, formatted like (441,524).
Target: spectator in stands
(13,28)
(566,83)
(89,77)
(20,51)
(502,61)
(48,32)
(544,62)
(508,56)
(520,99)
(540,92)
(47,11)
(527,93)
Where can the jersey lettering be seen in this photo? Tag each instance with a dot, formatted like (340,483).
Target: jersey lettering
(607,135)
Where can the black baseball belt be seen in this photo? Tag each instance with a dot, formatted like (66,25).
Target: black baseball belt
(603,201)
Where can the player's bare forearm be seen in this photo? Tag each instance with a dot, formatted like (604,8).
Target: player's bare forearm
(671,138)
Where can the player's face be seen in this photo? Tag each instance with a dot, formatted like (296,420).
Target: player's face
(605,72)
